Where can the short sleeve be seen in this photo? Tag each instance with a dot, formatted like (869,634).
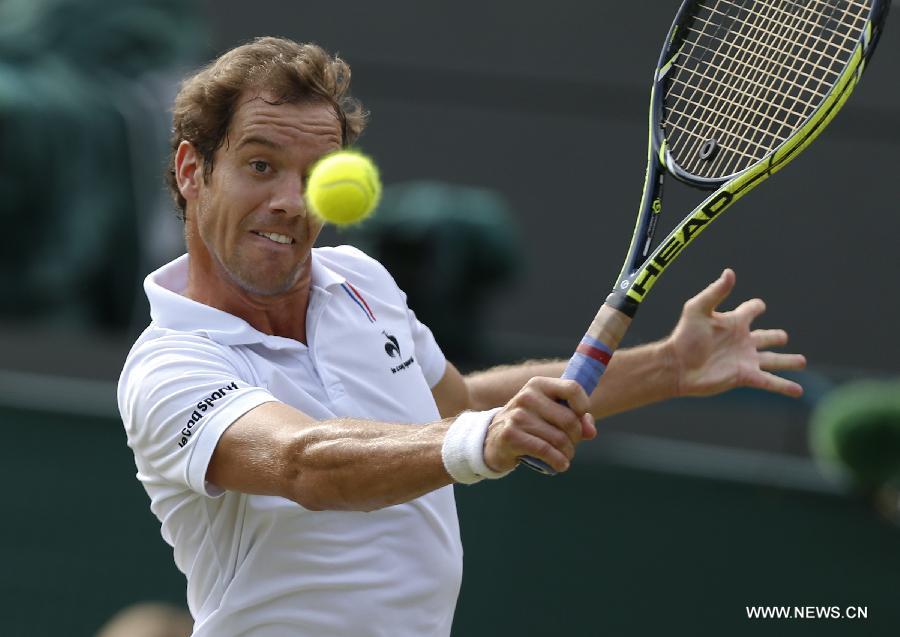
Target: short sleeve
(177,395)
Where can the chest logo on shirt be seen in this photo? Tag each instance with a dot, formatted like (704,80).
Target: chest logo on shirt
(391,345)
(392,349)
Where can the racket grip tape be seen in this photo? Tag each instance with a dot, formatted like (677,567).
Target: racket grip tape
(589,361)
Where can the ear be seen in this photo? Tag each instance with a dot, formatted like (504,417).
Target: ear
(188,170)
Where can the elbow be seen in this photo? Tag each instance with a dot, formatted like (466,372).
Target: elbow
(299,481)
(317,481)
(310,503)
(313,499)
(307,494)
(316,496)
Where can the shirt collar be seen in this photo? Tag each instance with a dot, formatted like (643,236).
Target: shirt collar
(322,276)
(169,309)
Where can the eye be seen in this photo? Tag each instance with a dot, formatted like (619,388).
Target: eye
(260,166)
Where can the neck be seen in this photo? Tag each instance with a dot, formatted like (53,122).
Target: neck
(277,315)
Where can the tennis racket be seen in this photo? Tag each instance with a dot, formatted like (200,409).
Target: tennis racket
(740,89)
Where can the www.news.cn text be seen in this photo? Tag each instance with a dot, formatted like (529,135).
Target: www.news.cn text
(807,612)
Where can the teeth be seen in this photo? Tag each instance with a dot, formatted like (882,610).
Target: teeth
(277,238)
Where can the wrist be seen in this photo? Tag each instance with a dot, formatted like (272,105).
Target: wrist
(670,368)
(462,451)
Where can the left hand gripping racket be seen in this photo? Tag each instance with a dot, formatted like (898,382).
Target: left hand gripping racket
(740,89)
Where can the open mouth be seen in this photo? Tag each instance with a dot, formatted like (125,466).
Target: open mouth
(274,236)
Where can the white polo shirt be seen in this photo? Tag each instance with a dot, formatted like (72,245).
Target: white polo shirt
(263,566)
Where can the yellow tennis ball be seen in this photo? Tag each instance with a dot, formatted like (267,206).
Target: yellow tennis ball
(343,188)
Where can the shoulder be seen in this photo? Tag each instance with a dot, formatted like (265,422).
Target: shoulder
(156,342)
(357,267)
(169,353)
(167,370)
(349,260)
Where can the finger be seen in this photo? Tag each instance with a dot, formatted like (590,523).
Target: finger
(747,311)
(764,339)
(588,427)
(541,445)
(774,361)
(556,415)
(551,411)
(776,384)
(562,389)
(557,438)
(709,299)
(521,433)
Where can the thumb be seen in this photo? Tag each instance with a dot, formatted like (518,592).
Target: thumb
(709,299)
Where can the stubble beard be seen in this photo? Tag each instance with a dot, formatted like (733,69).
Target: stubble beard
(249,278)
(247,274)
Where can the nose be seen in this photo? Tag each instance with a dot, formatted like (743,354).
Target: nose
(288,196)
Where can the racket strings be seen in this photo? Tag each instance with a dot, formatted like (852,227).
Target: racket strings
(753,137)
(839,28)
(755,86)
(804,62)
(785,93)
(780,64)
(749,73)
(692,121)
(806,103)
(758,63)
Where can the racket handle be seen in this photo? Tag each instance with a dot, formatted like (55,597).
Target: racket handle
(589,361)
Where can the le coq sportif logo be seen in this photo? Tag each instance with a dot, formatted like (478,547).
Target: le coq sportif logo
(392,347)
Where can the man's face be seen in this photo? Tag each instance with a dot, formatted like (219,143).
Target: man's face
(251,215)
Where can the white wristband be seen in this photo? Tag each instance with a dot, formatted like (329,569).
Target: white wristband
(463,448)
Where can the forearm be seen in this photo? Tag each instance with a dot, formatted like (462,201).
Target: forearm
(366,465)
(338,464)
(496,386)
(635,377)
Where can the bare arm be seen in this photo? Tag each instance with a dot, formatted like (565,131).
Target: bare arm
(362,465)
(709,352)
(635,377)
(340,464)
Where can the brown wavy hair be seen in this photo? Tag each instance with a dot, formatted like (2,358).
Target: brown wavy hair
(293,72)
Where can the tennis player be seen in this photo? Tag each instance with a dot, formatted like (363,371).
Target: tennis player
(296,427)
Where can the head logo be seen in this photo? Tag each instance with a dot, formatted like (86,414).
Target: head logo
(392,347)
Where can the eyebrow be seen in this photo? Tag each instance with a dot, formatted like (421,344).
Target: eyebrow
(260,141)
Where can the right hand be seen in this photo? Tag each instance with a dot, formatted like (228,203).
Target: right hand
(535,424)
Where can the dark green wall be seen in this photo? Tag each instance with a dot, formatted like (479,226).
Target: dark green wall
(79,541)
(614,551)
